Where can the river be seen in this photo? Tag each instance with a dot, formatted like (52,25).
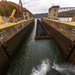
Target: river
(39,57)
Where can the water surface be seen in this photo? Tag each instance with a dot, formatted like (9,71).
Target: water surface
(41,57)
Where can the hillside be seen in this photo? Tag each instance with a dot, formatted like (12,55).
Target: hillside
(69,13)
(42,15)
(6,9)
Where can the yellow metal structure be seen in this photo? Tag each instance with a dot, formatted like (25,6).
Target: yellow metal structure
(60,22)
(1,20)
(12,15)
(13,24)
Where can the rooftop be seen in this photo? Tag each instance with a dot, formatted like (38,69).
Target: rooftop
(56,6)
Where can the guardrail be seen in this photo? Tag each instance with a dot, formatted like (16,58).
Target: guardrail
(68,28)
(9,30)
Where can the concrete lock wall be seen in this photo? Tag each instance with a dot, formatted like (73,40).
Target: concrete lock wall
(72,56)
(62,38)
(4,61)
(11,38)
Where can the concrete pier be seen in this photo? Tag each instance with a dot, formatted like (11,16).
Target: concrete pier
(63,34)
(11,39)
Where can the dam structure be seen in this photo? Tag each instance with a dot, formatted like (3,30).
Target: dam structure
(12,36)
(40,56)
(30,46)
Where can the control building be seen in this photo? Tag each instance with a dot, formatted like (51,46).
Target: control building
(53,12)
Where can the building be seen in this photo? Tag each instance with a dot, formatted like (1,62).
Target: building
(53,12)
(26,15)
(3,0)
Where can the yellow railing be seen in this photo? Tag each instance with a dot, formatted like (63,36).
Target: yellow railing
(2,26)
(9,30)
(66,27)
(58,21)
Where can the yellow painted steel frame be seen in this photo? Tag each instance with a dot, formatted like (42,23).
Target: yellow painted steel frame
(64,23)
(13,24)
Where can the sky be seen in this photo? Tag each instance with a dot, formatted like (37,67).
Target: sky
(42,6)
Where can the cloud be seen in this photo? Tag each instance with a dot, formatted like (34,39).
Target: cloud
(40,6)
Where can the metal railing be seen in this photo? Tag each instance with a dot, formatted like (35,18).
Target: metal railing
(12,29)
(67,28)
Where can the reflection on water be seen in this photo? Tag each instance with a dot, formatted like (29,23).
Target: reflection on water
(40,57)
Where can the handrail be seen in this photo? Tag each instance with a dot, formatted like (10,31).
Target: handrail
(13,24)
(10,30)
(65,28)
(64,23)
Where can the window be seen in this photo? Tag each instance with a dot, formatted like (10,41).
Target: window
(26,17)
(25,13)
(54,10)
(54,14)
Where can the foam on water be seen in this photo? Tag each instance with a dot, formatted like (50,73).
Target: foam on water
(46,66)
(42,69)
(67,68)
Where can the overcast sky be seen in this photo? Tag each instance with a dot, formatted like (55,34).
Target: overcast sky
(42,6)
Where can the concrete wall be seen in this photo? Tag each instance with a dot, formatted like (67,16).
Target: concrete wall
(11,41)
(62,38)
(72,56)
(4,61)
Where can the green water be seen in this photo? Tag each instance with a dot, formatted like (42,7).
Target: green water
(41,57)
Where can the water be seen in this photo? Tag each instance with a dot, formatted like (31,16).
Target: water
(41,57)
